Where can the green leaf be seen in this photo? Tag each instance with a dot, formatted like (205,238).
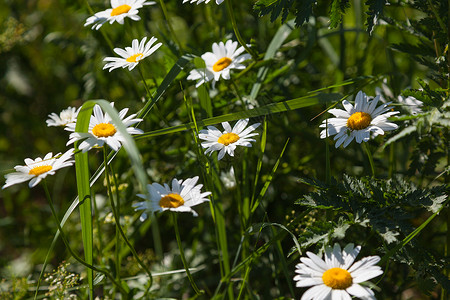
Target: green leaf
(302,9)
(337,11)
(84,193)
(375,10)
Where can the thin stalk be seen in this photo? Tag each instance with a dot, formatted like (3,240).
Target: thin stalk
(151,97)
(172,32)
(445,293)
(236,31)
(327,156)
(328,213)
(247,272)
(183,258)
(145,83)
(215,206)
(115,211)
(236,90)
(369,156)
(110,196)
(75,256)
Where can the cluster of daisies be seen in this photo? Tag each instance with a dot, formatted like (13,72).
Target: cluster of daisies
(336,277)
(218,63)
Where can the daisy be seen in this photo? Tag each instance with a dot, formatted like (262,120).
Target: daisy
(227,140)
(200,1)
(228,179)
(38,169)
(336,277)
(119,11)
(131,56)
(412,104)
(224,58)
(358,121)
(181,197)
(65,117)
(102,130)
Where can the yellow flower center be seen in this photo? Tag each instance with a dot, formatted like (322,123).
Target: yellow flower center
(36,171)
(134,57)
(104,130)
(228,138)
(171,201)
(359,120)
(121,9)
(221,64)
(337,278)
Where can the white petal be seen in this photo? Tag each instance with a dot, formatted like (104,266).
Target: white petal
(360,292)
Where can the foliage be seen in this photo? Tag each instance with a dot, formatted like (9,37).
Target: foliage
(293,192)
(304,10)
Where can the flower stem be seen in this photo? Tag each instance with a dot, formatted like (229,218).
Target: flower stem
(172,32)
(236,31)
(66,242)
(145,83)
(108,186)
(369,156)
(115,211)
(327,157)
(183,258)
(151,97)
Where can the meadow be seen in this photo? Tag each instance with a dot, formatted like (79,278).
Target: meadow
(219,149)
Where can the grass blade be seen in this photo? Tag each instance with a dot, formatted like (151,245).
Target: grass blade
(84,193)
(279,38)
(269,109)
(269,180)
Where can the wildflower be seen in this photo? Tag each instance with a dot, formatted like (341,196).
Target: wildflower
(412,104)
(224,58)
(228,179)
(358,121)
(201,1)
(120,9)
(336,277)
(101,130)
(227,140)
(66,116)
(180,198)
(38,169)
(131,56)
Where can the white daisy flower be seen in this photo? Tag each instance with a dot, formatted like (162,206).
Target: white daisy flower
(224,58)
(412,104)
(180,198)
(227,140)
(102,130)
(131,56)
(120,9)
(66,116)
(228,179)
(38,169)
(357,122)
(202,1)
(337,277)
